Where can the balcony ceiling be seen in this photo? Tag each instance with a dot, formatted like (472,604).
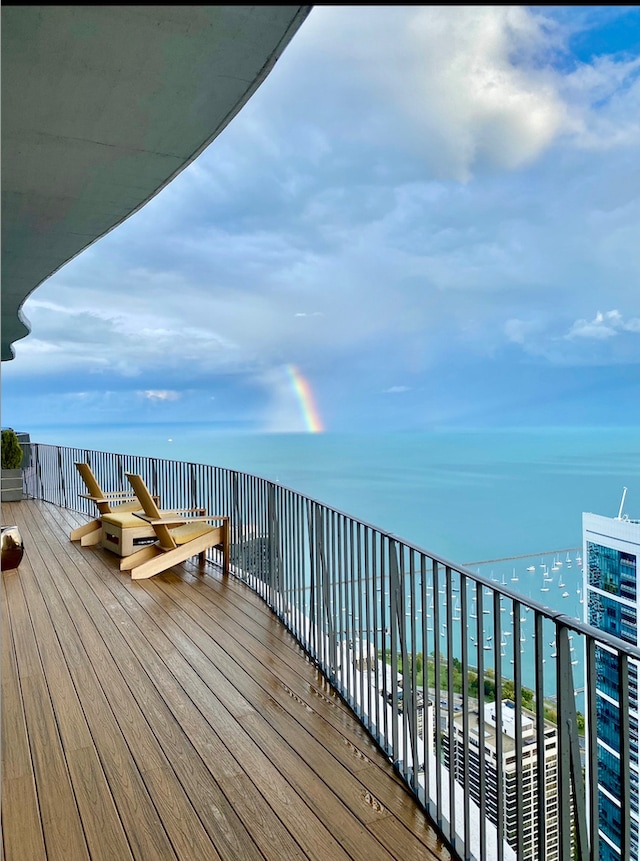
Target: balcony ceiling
(102,107)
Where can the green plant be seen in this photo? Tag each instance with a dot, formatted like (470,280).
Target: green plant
(11,450)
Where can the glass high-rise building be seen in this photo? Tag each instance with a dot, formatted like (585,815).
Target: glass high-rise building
(611,549)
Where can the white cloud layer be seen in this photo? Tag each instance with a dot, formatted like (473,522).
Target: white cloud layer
(160,395)
(603,326)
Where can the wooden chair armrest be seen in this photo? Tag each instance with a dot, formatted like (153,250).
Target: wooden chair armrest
(119,496)
(110,497)
(112,494)
(172,520)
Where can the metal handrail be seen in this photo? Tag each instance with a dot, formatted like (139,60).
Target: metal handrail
(380,617)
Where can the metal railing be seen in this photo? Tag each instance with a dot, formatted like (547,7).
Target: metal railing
(449,671)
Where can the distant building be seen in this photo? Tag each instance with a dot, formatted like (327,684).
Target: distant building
(611,546)
(510,765)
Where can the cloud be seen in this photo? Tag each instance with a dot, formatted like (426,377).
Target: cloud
(463,87)
(160,395)
(603,326)
(396,390)
(609,338)
(468,89)
(517,331)
(605,103)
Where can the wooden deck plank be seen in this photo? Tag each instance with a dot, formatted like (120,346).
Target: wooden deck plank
(323,749)
(102,826)
(152,750)
(269,833)
(287,716)
(251,753)
(208,729)
(63,834)
(365,761)
(143,826)
(304,780)
(227,832)
(373,809)
(306,684)
(304,678)
(21,827)
(20,810)
(238,664)
(301,820)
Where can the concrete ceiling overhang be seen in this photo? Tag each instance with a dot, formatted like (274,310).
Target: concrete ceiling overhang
(102,106)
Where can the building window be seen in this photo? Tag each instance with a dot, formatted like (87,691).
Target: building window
(612,570)
(612,616)
(610,819)
(608,722)
(608,770)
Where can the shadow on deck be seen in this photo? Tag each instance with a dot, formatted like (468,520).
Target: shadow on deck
(176,718)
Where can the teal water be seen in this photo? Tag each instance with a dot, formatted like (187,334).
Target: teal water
(466,496)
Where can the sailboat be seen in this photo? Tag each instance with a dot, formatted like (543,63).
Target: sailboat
(514,577)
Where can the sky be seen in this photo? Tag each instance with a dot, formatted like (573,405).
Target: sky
(425,218)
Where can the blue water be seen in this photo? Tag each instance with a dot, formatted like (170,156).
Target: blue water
(465,496)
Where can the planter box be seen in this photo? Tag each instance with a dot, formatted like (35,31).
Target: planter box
(11,485)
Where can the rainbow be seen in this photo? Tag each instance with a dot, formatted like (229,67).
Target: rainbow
(304,395)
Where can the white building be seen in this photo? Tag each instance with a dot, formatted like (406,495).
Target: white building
(510,764)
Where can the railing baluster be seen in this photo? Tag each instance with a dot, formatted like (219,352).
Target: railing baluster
(482,761)
(438,692)
(540,735)
(464,647)
(448,591)
(517,701)
(497,677)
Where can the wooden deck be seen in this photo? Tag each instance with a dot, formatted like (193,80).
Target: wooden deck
(176,719)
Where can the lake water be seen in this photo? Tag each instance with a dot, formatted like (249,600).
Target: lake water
(467,496)
(470,497)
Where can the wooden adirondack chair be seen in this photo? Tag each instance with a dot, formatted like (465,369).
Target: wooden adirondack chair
(117,504)
(180,535)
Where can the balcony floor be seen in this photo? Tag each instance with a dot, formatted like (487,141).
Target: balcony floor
(176,719)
